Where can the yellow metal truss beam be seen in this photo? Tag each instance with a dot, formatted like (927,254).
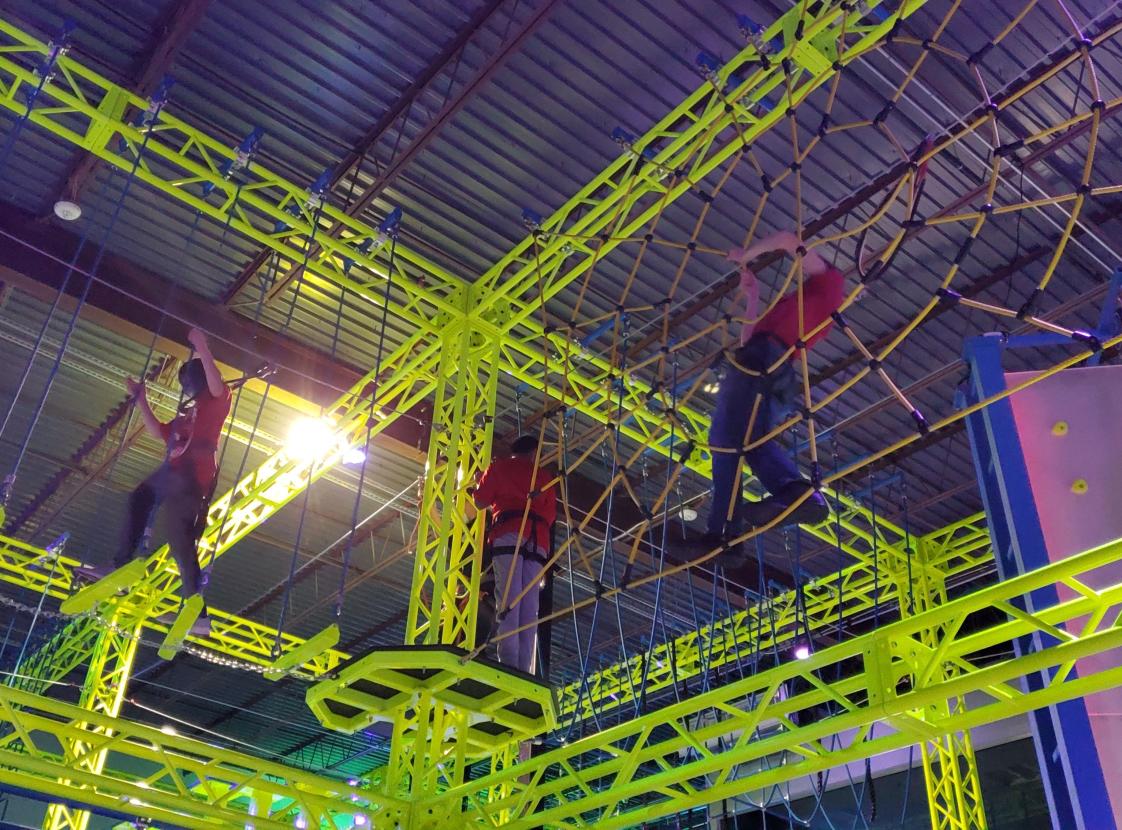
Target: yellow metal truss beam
(113,655)
(825,605)
(171,780)
(84,108)
(713,123)
(442,604)
(891,688)
(237,638)
(951,551)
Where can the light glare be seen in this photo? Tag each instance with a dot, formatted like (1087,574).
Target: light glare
(310,439)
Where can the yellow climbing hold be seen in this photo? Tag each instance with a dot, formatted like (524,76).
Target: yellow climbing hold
(1059,428)
(1079,486)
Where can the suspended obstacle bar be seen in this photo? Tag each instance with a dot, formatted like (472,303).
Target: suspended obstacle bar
(305,652)
(120,581)
(181,626)
(231,636)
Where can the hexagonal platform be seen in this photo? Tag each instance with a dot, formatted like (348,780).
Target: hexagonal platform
(504,704)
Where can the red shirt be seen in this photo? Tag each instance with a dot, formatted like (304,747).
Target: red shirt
(192,437)
(505,487)
(822,295)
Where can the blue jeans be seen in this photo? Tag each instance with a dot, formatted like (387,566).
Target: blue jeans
(729,424)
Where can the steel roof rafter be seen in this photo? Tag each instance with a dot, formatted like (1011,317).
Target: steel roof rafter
(352,162)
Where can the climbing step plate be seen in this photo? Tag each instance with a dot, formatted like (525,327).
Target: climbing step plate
(502,704)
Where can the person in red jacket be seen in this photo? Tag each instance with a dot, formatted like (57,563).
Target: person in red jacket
(747,378)
(184,483)
(519,544)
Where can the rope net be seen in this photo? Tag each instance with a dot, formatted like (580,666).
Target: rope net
(979,208)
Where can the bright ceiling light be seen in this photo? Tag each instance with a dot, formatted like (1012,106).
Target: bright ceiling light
(802,651)
(689,514)
(67,211)
(310,439)
(353,456)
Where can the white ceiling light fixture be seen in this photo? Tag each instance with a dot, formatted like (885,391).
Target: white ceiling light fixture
(67,210)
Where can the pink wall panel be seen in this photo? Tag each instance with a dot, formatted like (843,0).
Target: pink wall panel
(1070,426)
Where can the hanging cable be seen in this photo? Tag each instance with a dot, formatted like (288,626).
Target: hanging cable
(146,121)
(71,269)
(52,552)
(392,231)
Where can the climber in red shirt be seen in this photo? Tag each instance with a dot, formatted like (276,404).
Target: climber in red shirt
(519,542)
(184,483)
(751,373)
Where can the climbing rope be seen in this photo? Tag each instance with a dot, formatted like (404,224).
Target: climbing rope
(145,121)
(392,231)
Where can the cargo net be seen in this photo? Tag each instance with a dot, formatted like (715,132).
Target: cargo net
(949,171)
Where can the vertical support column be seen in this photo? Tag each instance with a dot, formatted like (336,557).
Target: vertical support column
(1065,747)
(106,681)
(950,770)
(426,756)
(442,608)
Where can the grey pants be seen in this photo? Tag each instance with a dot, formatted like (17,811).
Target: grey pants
(179,494)
(517,650)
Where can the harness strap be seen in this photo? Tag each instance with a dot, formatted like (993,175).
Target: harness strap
(528,551)
(509,515)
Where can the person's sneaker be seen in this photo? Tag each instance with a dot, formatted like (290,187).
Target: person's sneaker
(92,573)
(812,510)
(201,627)
(699,544)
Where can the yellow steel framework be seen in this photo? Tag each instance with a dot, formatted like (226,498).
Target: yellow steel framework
(50,746)
(891,688)
(898,685)
(463,336)
(957,550)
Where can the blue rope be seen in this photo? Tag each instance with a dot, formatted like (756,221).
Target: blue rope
(582,654)
(119,451)
(9,481)
(70,270)
(658,614)
(607,534)
(283,614)
(54,550)
(206,570)
(338,610)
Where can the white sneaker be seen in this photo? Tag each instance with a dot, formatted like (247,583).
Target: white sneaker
(201,627)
